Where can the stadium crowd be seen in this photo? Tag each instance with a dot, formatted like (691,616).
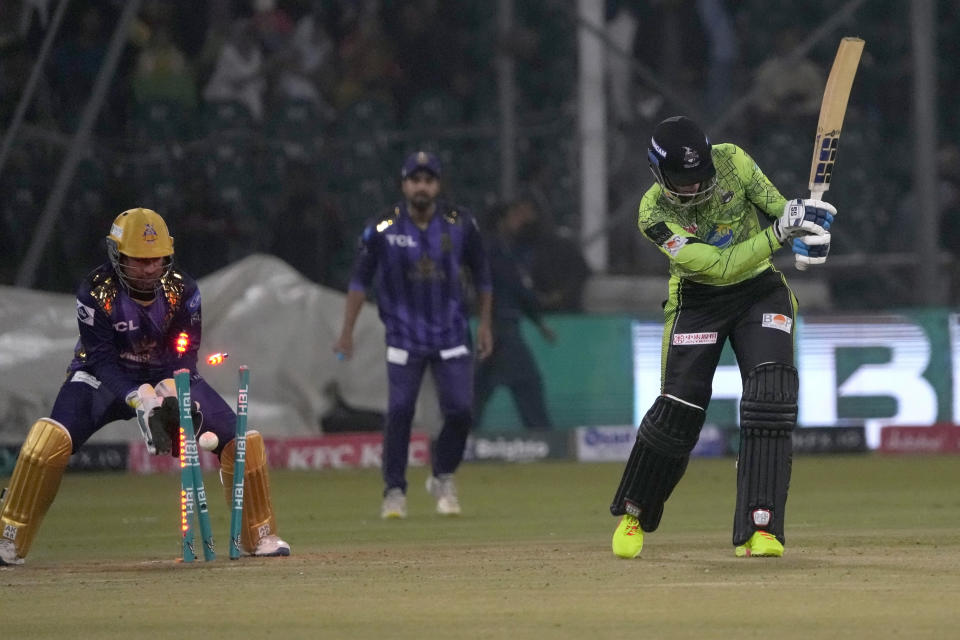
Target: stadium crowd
(243,119)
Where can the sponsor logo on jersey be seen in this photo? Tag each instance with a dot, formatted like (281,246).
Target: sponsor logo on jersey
(125,325)
(84,313)
(194,303)
(674,244)
(85,378)
(777,321)
(401,240)
(135,357)
(691,228)
(704,337)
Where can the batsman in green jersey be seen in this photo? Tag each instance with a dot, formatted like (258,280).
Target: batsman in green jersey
(702,213)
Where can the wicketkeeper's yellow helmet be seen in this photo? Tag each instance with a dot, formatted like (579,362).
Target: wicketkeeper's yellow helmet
(141,233)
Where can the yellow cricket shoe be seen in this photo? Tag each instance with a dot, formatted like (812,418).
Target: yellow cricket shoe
(760,544)
(627,538)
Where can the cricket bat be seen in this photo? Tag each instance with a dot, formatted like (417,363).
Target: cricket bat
(832,109)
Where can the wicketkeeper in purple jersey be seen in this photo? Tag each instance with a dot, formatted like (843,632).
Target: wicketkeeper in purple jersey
(132,312)
(415,255)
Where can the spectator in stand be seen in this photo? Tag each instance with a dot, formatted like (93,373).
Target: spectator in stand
(162,71)
(722,54)
(272,24)
(75,64)
(308,71)
(621,29)
(431,48)
(367,58)
(239,73)
(787,88)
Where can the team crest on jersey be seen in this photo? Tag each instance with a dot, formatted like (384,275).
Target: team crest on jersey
(426,269)
(149,233)
(720,235)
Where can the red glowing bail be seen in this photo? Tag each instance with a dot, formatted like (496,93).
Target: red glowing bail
(215,359)
(183,343)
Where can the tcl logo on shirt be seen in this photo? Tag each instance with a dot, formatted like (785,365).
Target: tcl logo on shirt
(400,241)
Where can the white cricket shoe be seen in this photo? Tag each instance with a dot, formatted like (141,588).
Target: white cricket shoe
(271,546)
(445,491)
(8,553)
(394,504)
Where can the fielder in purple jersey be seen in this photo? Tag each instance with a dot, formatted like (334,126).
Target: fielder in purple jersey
(415,257)
(132,313)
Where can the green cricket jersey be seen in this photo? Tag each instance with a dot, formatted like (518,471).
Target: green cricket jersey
(718,242)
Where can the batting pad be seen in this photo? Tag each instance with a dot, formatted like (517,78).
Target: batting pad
(258,518)
(35,481)
(667,435)
(768,414)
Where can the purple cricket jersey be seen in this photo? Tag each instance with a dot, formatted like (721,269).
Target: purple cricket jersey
(418,276)
(125,344)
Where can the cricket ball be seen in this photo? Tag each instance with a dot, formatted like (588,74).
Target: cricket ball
(208,440)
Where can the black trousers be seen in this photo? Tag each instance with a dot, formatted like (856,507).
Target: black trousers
(758,316)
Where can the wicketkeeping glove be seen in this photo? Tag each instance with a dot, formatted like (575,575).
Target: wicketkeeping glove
(167,416)
(804,217)
(144,401)
(811,249)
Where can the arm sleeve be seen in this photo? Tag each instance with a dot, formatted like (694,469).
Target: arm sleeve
(758,188)
(365,264)
(697,256)
(475,256)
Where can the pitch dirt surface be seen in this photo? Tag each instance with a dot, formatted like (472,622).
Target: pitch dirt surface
(873,551)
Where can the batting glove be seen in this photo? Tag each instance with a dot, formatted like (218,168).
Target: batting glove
(811,249)
(804,217)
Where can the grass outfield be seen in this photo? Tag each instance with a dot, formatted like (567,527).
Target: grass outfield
(873,551)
